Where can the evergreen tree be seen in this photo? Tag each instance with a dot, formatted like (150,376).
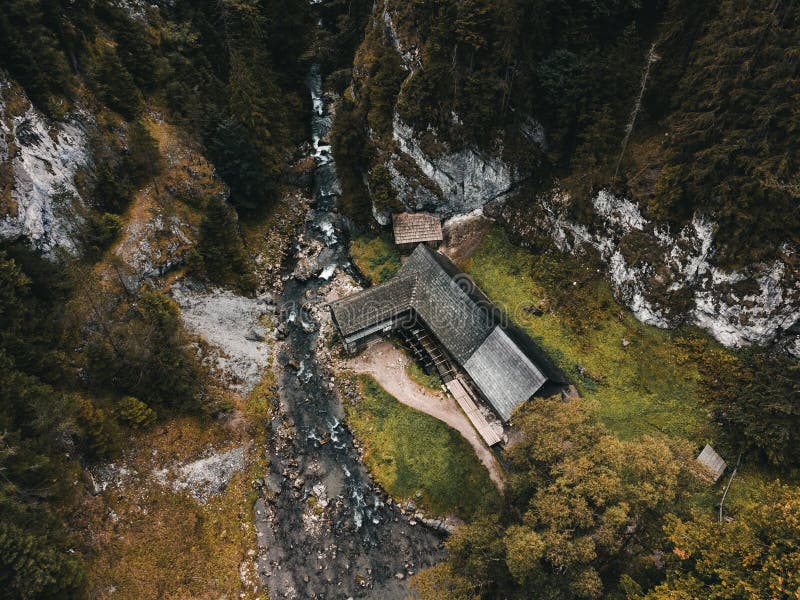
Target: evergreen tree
(352,152)
(582,508)
(754,396)
(142,352)
(135,412)
(115,85)
(237,159)
(220,246)
(731,152)
(32,568)
(753,556)
(36,426)
(134,48)
(31,52)
(121,171)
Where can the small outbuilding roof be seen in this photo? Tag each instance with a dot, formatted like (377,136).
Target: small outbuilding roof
(414,228)
(712,461)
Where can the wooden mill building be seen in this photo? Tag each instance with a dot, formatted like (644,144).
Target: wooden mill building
(411,229)
(450,325)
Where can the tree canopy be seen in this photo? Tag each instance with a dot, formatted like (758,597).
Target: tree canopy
(583,508)
(753,556)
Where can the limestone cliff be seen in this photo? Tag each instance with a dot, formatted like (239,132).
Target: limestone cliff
(39,160)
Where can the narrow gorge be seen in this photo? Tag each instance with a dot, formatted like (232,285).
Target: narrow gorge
(326,529)
(436,300)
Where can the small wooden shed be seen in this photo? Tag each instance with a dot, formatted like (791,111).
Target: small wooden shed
(411,229)
(712,462)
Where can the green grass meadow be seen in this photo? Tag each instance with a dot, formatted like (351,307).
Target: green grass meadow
(652,385)
(410,453)
(641,378)
(375,256)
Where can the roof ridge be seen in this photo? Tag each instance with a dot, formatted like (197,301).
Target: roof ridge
(413,295)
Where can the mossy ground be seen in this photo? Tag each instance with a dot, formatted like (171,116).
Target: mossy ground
(415,372)
(409,452)
(375,256)
(433,382)
(642,379)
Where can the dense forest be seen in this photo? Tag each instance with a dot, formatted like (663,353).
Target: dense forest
(685,107)
(589,516)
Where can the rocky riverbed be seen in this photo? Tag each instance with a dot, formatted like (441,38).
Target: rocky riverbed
(325,530)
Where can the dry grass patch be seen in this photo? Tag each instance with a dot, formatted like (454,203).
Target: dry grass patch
(148,541)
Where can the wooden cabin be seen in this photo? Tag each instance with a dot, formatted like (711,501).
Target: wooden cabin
(411,229)
(450,326)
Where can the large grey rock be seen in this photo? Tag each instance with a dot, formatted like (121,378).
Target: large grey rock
(232,325)
(466,180)
(44,158)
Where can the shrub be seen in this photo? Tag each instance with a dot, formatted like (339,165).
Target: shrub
(135,413)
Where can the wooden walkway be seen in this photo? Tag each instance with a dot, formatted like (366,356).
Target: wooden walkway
(466,401)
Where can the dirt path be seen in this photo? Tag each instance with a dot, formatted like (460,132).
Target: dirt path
(387,364)
(463,235)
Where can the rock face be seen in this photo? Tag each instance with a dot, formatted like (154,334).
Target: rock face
(38,162)
(667,278)
(155,245)
(205,477)
(463,181)
(137,9)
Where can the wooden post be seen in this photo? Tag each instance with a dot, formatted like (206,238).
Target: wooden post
(727,487)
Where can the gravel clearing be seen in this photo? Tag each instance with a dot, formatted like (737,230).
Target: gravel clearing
(232,324)
(205,477)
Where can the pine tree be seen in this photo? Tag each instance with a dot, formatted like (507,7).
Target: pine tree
(237,160)
(135,412)
(115,85)
(220,246)
(30,567)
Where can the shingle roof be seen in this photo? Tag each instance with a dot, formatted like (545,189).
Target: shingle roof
(412,228)
(457,314)
(503,373)
(374,305)
(446,304)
